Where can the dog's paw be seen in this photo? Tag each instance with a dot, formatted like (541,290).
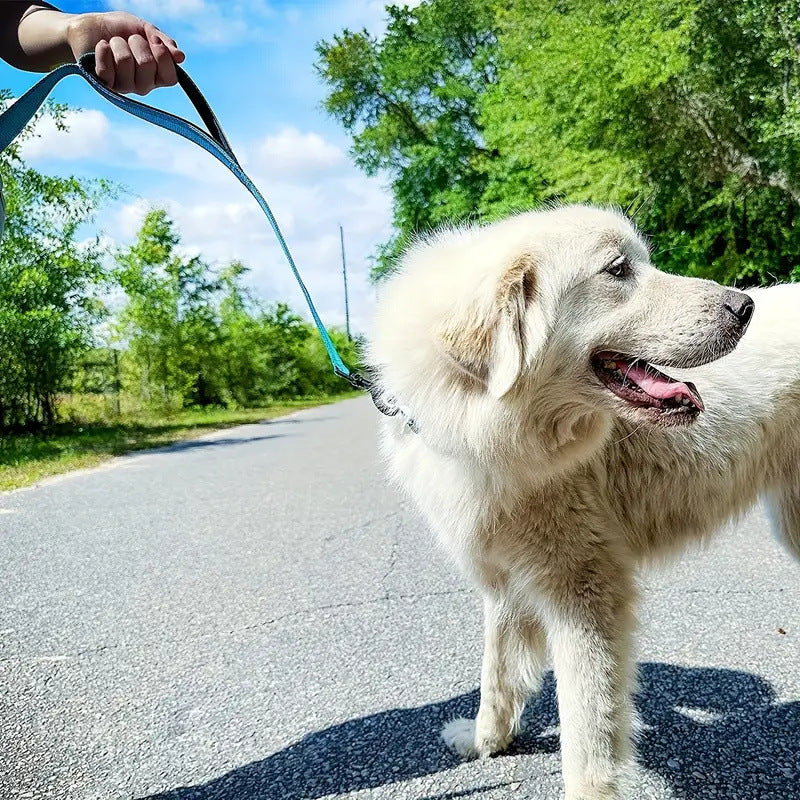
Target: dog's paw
(459,736)
(468,739)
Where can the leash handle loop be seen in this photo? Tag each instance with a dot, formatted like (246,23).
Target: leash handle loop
(191,90)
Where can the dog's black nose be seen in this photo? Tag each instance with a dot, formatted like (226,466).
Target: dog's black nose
(740,305)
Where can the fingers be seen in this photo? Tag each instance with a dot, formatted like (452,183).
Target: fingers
(157,37)
(124,65)
(104,63)
(165,72)
(144,77)
(138,63)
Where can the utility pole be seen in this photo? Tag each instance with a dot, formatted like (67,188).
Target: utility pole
(117,383)
(346,298)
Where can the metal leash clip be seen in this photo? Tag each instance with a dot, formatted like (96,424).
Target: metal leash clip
(386,404)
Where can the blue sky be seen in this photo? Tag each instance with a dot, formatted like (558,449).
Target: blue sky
(254,61)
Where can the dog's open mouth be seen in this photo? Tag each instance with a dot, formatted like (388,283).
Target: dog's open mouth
(642,385)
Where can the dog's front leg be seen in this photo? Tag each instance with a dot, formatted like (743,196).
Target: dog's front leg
(589,627)
(513,662)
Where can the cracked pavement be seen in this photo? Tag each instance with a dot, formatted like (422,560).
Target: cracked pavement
(257,615)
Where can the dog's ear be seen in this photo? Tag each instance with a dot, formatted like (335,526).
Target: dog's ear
(513,346)
(494,347)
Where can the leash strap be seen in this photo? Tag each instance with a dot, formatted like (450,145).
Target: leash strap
(213,141)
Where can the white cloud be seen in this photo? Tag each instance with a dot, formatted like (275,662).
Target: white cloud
(92,135)
(148,9)
(87,137)
(287,154)
(292,152)
(224,225)
(304,174)
(208,22)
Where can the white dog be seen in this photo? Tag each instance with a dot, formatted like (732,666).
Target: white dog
(551,457)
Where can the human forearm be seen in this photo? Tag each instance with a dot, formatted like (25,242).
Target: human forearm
(34,36)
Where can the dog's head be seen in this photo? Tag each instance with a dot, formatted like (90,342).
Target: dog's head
(539,329)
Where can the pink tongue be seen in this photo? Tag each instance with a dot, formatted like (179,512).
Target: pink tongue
(657,385)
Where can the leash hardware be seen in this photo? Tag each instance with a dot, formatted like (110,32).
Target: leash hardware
(386,404)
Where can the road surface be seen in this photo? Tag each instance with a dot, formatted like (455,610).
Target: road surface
(257,615)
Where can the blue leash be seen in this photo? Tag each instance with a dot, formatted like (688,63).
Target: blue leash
(213,141)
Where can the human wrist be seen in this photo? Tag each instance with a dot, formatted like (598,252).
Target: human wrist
(82,32)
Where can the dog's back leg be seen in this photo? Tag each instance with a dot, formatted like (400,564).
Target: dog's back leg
(513,664)
(783,506)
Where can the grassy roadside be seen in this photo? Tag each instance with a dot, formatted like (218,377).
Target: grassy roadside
(26,459)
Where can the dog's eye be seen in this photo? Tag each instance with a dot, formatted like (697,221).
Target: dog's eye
(620,267)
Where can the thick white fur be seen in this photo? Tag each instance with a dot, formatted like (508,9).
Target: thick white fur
(547,489)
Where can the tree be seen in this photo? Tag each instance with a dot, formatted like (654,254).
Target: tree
(685,106)
(259,346)
(197,337)
(410,102)
(169,321)
(49,287)
(270,353)
(683,111)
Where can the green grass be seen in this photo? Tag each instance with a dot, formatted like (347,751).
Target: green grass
(27,458)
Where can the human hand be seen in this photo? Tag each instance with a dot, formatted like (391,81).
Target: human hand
(131,55)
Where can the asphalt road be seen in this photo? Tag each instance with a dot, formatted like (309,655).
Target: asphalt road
(257,615)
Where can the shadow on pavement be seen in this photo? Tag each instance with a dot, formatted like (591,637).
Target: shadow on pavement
(291,420)
(711,733)
(719,733)
(197,444)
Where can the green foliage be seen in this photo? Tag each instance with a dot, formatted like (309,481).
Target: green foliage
(169,322)
(48,289)
(196,338)
(685,112)
(410,101)
(185,336)
(672,106)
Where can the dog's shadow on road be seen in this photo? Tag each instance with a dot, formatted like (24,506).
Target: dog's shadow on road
(710,733)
